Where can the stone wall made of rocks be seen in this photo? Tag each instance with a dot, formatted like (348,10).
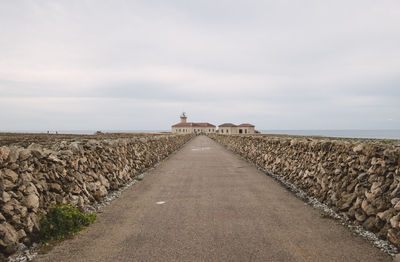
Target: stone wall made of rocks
(358,179)
(78,172)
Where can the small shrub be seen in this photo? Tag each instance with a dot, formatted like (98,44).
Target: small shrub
(62,221)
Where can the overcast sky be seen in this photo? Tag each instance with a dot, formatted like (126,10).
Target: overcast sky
(138,64)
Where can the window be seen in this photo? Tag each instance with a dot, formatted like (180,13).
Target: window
(240,131)
(222,131)
(227,131)
(245,131)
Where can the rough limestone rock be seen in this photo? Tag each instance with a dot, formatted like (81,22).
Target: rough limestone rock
(24,154)
(8,238)
(32,202)
(5,197)
(14,154)
(79,173)
(393,236)
(4,153)
(10,175)
(361,181)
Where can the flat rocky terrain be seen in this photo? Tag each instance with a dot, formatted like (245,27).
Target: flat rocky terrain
(25,139)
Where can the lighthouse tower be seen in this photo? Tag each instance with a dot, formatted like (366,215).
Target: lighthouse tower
(183,117)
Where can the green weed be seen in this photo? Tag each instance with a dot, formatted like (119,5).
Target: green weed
(62,221)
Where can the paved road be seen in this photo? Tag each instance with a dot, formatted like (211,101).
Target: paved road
(217,208)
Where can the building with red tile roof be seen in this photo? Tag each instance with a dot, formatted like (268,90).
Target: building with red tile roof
(228,125)
(246,125)
(229,128)
(185,127)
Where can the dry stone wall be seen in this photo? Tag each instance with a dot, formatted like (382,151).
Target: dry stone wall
(359,180)
(79,173)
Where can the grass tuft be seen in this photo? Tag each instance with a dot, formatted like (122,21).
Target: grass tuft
(62,221)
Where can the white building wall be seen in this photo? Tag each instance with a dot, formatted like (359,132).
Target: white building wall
(234,130)
(229,130)
(190,130)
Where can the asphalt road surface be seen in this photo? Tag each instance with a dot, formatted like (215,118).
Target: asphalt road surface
(206,204)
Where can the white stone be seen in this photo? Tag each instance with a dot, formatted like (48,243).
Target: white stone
(358,148)
(6,197)
(32,201)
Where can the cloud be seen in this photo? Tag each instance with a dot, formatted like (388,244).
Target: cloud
(278,64)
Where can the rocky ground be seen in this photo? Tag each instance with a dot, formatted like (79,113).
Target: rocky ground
(25,139)
(343,139)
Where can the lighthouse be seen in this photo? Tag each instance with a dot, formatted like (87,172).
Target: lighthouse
(183,117)
(185,127)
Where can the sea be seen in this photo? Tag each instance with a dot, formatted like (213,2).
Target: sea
(342,133)
(349,133)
